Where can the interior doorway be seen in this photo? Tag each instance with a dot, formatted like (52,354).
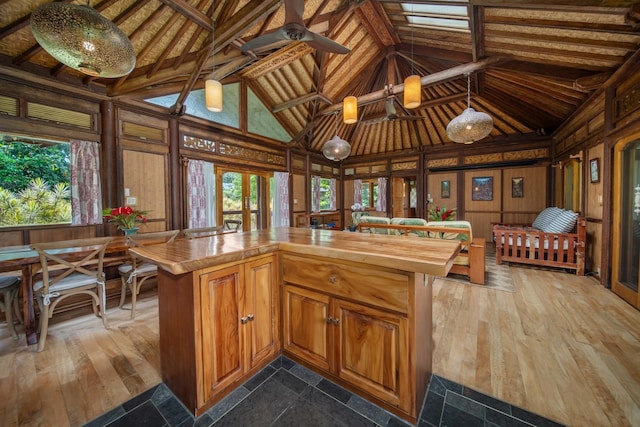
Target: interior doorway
(404,197)
(244,197)
(626,220)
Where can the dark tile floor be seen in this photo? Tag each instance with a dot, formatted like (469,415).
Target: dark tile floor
(288,394)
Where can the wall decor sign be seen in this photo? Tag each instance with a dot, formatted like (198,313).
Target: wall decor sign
(482,188)
(594,167)
(445,189)
(517,187)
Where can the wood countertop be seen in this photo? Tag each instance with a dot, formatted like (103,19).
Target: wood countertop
(420,255)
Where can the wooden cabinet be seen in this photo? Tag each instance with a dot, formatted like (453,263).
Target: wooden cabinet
(226,329)
(353,323)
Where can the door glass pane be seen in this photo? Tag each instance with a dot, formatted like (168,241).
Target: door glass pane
(629,263)
(254,200)
(232,196)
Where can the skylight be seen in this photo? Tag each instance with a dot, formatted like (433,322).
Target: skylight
(443,16)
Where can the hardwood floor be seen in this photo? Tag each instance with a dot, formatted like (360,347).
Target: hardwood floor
(561,346)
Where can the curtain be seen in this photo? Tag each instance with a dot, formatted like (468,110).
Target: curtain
(381,203)
(86,193)
(280,213)
(210,194)
(196,194)
(357,191)
(332,194)
(315,196)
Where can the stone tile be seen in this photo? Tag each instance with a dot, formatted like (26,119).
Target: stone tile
(501,419)
(335,391)
(369,410)
(454,417)
(464,404)
(107,417)
(397,422)
(432,410)
(290,381)
(305,374)
(260,377)
(173,411)
(441,385)
(261,407)
(487,400)
(140,399)
(161,393)
(287,363)
(337,410)
(304,413)
(202,421)
(143,415)
(227,403)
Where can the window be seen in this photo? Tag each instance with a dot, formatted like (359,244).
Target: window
(324,192)
(35,178)
(369,194)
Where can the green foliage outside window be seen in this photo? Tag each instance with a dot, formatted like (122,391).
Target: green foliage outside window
(34,184)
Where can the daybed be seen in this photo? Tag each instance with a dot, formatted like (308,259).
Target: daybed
(555,239)
(470,261)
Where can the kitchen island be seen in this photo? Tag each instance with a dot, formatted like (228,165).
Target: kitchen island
(354,307)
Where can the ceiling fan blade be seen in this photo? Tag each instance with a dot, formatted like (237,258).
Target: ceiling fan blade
(323,43)
(265,40)
(294,11)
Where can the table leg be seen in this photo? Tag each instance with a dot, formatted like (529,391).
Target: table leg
(28,312)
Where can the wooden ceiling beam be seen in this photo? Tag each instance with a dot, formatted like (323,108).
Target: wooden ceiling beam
(301,100)
(191,13)
(430,79)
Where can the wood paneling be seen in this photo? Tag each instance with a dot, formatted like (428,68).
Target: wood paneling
(434,188)
(593,199)
(299,193)
(145,175)
(534,181)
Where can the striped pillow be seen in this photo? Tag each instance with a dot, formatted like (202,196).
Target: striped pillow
(565,222)
(546,217)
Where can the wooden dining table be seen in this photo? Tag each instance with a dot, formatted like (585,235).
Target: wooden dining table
(27,261)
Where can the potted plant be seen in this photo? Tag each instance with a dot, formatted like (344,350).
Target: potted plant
(125,218)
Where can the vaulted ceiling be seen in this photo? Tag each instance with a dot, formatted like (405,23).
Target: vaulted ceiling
(532,64)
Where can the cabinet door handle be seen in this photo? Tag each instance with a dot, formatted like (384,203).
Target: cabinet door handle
(250,317)
(329,320)
(336,321)
(333,279)
(244,320)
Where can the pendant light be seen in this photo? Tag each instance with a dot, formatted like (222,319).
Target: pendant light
(212,87)
(412,97)
(81,38)
(336,149)
(471,125)
(350,110)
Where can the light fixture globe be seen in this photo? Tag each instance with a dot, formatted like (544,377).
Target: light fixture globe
(81,38)
(336,149)
(470,126)
(213,95)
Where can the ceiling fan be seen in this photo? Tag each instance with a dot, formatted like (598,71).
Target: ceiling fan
(391,114)
(294,30)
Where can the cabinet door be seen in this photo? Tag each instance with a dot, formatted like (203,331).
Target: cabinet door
(371,350)
(220,324)
(260,311)
(306,325)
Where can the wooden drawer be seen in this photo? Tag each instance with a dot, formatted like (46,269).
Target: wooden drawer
(363,285)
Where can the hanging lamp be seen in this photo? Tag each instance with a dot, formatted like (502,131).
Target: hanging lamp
(336,148)
(81,38)
(212,87)
(350,110)
(412,97)
(471,125)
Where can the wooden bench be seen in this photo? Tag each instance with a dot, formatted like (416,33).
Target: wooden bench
(470,261)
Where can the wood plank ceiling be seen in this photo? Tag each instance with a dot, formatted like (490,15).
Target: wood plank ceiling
(532,64)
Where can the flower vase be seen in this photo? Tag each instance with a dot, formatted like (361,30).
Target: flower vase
(130,231)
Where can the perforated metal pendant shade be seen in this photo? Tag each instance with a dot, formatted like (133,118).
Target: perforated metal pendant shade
(471,125)
(81,38)
(336,149)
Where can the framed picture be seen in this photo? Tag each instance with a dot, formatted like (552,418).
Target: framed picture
(482,188)
(445,189)
(594,167)
(517,187)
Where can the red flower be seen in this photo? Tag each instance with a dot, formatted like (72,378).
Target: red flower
(125,217)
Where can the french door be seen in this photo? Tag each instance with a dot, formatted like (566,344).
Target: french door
(244,197)
(626,215)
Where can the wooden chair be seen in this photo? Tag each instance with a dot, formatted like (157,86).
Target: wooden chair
(232,224)
(9,288)
(134,273)
(70,267)
(192,233)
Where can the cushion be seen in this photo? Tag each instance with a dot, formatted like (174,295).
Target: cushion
(409,221)
(372,220)
(565,222)
(546,217)
(452,224)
